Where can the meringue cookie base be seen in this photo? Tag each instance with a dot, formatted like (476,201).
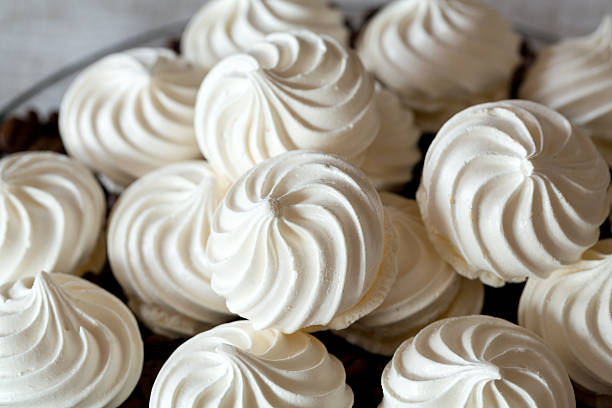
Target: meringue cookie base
(97,260)
(591,399)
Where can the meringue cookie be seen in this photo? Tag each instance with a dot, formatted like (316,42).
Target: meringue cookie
(65,342)
(298,242)
(130,113)
(411,44)
(512,190)
(225,27)
(394,153)
(156,240)
(571,311)
(292,91)
(52,212)
(235,365)
(426,289)
(473,362)
(574,77)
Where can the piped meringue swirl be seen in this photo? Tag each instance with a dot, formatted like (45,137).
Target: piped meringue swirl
(225,27)
(156,241)
(52,212)
(571,310)
(65,342)
(292,91)
(512,190)
(440,55)
(574,77)
(130,113)
(237,366)
(298,242)
(475,362)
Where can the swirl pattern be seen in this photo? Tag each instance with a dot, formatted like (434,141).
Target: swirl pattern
(236,366)
(411,44)
(292,91)
(156,241)
(426,289)
(476,362)
(572,311)
(130,113)
(225,27)
(65,342)
(52,212)
(298,242)
(574,77)
(512,190)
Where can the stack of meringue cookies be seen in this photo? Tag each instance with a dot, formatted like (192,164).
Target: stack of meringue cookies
(291,221)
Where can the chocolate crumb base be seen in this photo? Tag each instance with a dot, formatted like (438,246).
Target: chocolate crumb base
(29,133)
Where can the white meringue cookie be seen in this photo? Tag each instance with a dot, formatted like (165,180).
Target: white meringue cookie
(475,362)
(52,212)
(440,55)
(156,240)
(130,113)
(298,242)
(225,27)
(426,289)
(571,311)
(512,190)
(394,153)
(292,91)
(237,366)
(574,77)
(65,342)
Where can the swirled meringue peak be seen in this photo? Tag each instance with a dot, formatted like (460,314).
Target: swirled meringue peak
(156,240)
(440,55)
(294,90)
(65,342)
(512,190)
(475,362)
(130,113)
(394,153)
(427,288)
(299,241)
(571,310)
(574,77)
(225,27)
(52,213)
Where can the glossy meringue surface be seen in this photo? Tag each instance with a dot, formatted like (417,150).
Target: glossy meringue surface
(298,242)
(65,342)
(130,113)
(571,310)
(52,212)
(512,190)
(225,27)
(574,77)
(295,90)
(156,240)
(473,362)
(440,55)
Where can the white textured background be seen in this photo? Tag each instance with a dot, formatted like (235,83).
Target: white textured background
(39,37)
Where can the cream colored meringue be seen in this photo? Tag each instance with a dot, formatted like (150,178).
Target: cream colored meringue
(225,27)
(52,212)
(298,242)
(65,342)
(292,91)
(156,240)
(474,362)
(237,366)
(574,77)
(440,55)
(426,289)
(571,310)
(130,113)
(512,190)
(394,153)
